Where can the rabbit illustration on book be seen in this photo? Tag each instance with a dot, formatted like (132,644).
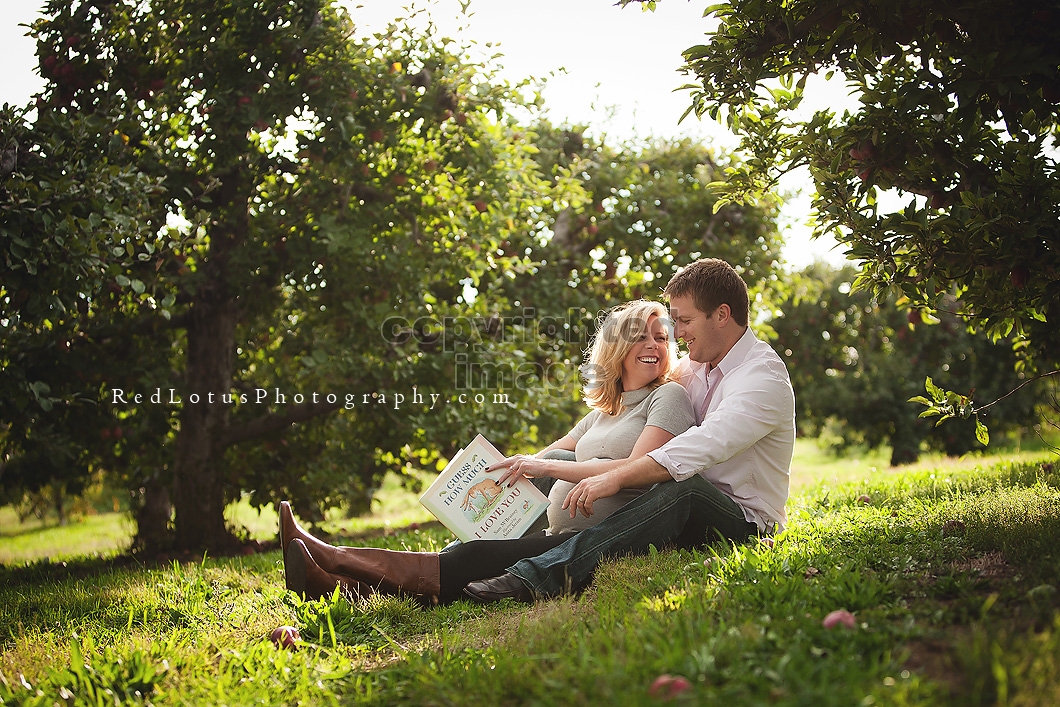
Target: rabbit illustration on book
(487,489)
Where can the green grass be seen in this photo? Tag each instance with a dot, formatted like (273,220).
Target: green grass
(949,567)
(96,534)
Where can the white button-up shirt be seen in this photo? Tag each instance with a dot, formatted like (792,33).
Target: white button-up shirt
(745,410)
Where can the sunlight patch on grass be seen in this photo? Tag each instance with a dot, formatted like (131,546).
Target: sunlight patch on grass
(103,535)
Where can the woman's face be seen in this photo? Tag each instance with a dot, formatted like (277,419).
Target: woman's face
(648,358)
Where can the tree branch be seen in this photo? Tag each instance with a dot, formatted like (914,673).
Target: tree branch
(275,422)
(1029,380)
(141,325)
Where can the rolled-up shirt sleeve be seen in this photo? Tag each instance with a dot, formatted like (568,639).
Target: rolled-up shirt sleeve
(733,427)
(745,442)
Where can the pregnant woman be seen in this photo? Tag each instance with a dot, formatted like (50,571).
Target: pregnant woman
(636,408)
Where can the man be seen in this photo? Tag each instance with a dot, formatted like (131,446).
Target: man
(728,475)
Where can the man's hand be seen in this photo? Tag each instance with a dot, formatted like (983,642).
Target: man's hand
(586,491)
(639,473)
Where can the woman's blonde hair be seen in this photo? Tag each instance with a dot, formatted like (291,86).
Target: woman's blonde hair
(620,330)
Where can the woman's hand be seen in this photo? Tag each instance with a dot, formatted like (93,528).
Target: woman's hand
(590,489)
(519,465)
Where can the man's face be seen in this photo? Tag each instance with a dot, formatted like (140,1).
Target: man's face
(697,329)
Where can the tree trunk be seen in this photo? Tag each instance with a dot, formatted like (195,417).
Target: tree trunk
(153,534)
(198,487)
(57,499)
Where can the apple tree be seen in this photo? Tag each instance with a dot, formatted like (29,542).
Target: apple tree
(645,211)
(855,360)
(257,190)
(70,205)
(943,178)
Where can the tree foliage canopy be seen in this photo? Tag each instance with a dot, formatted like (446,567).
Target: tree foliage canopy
(855,361)
(958,115)
(225,198)
(213,200)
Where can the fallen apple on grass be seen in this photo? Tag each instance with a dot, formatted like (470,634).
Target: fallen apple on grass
(667,687)
(839,617)
(285,637)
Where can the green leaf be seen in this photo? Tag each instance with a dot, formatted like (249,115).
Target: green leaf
(932,389)
(981,433)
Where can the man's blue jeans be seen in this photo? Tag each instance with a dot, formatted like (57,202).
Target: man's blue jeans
(670,514)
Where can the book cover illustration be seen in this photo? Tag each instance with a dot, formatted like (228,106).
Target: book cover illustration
(473,505)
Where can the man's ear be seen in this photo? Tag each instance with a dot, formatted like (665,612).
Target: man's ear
(722,314)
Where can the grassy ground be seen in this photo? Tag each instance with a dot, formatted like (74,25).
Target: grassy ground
(949,569)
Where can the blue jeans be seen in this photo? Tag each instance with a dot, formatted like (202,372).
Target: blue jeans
(669,514)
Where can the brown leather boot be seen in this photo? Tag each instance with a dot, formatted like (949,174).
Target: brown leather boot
(388,571)
(305,577)
(289,529)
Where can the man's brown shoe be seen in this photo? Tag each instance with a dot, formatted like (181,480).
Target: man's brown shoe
(507,586)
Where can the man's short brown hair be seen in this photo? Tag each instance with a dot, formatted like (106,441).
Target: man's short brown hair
(711,283)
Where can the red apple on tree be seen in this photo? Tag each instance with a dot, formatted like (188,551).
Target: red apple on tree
(1019,276)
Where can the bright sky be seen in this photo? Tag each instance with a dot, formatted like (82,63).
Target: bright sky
(613,69)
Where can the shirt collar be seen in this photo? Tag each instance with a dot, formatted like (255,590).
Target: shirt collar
(738,352)
(634,397)
(693,369)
